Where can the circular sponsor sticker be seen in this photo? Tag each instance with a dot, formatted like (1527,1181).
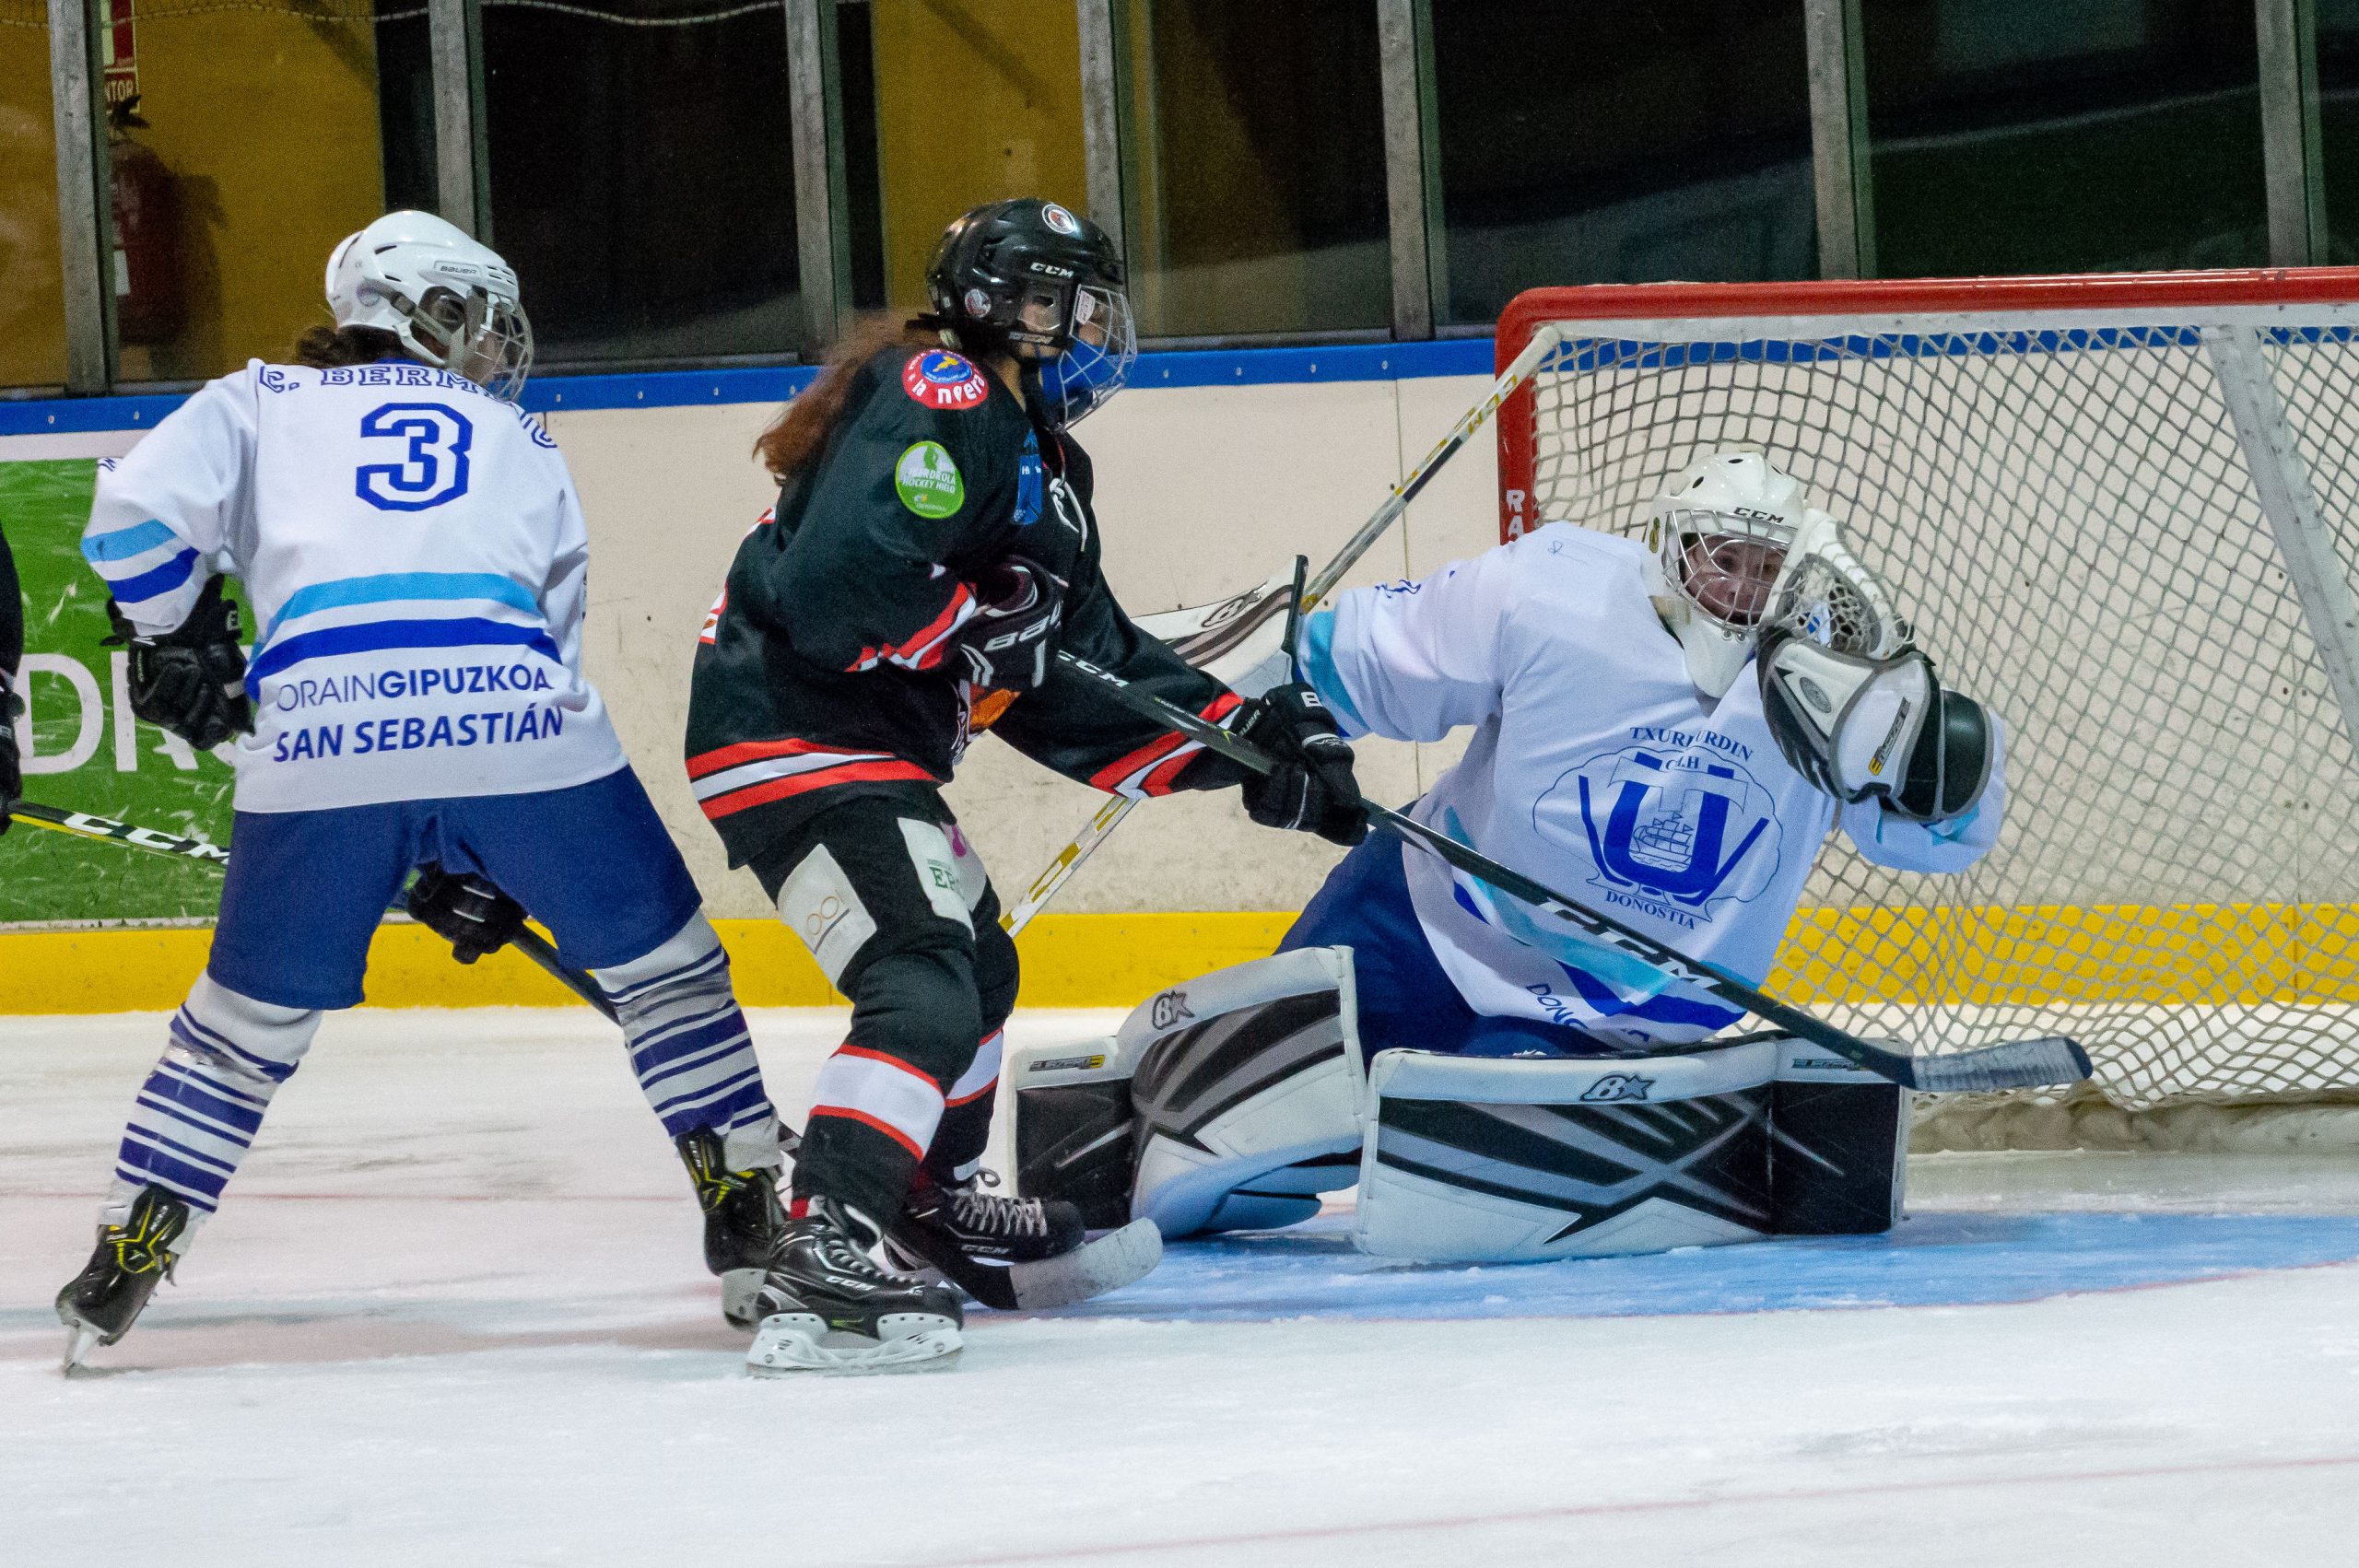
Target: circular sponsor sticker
(940,379)
(928,482)
(1063,222)
(978,304)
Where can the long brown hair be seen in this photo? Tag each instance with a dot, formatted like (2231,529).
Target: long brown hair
(801,427)
(324,348)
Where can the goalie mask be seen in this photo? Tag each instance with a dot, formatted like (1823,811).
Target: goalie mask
(1719,537)
(453,302)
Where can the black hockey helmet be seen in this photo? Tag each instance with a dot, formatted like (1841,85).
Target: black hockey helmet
(1039,281)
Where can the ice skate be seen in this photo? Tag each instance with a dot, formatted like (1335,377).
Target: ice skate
(103,1301)
(1015,1252)
(743,1222)
(825,1307)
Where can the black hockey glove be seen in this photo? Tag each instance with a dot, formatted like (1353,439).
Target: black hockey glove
(1312,788)
(475,916)
(12,773)
(192,680)
(1010,643)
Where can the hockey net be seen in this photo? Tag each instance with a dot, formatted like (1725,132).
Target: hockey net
(2123,512)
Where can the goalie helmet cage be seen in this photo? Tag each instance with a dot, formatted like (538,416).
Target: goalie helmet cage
(2124,512)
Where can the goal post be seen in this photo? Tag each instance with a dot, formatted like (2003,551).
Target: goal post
(2124,513)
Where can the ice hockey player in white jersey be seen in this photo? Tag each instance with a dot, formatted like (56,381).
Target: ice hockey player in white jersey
(1667,727)
(416,563)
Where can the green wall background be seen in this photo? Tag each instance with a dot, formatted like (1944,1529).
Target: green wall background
(128,770)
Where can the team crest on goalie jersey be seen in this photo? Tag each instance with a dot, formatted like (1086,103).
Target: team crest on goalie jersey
(1676,829)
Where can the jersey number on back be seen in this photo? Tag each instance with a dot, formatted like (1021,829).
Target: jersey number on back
(433,471)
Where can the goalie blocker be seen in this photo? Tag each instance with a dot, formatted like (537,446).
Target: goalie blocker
(1232,1103)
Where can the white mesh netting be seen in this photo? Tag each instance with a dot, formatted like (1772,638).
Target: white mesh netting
(2068,513)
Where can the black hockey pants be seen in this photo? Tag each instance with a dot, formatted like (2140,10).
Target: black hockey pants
(896,907)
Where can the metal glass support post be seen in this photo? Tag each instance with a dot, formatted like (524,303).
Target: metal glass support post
(462,163)
(816,116)
(1838,138)
(1408,134)
(1101,137)
(2289,131)
(81,221)
(2282,485)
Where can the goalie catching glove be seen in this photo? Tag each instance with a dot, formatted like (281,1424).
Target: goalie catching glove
(1857,727)
(191,680)
(1312,788)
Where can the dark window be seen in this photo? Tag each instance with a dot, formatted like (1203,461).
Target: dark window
(2063,136)
(2338,125)
(1253,166)
(32,281)
(642,182)
(1620,144)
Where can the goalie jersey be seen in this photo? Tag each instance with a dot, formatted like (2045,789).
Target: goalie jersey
(1597,767)
(416,564)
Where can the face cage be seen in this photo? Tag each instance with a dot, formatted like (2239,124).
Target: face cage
(485,339)
(1723,587)
(1101,343)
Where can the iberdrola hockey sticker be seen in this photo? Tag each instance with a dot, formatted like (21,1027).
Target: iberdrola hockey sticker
(940,379)
(929,482)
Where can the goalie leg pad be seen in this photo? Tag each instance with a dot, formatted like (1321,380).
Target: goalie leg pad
(1247,1071)
(1474,1160)
(1839,1156)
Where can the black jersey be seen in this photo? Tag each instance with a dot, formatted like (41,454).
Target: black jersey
(12,619)
(825,666)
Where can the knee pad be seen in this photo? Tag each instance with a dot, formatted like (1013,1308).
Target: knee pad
(1227,1104)
(1506,1160)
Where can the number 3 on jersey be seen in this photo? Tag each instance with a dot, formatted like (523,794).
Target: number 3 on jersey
(433,471)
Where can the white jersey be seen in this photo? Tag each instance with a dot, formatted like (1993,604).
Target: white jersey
(1595,767)
(416,563)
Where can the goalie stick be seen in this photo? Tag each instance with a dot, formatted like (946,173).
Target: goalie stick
(106,830)
(1203,634)
(1099,1265)
(2017,1064)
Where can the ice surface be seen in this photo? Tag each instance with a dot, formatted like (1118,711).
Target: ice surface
(453,1314)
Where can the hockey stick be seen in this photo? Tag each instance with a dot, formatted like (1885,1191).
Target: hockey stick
(106,830)
(2019,1064)
(1226,626)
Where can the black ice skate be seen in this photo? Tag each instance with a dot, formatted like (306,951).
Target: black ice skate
(825,1307)
(743,1222)
(1015,1252)
(103,1301)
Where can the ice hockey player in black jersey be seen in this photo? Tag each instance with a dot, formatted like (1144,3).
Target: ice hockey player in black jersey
(931,548)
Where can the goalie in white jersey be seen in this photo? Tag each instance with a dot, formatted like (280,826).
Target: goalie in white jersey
(418,564)
(1667,727)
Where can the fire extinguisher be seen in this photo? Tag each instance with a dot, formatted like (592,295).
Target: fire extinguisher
(148,303)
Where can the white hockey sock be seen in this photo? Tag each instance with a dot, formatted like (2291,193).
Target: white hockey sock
(689,1046)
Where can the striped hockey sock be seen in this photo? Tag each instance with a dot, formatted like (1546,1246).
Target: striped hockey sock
(689,1046)
(198,1112)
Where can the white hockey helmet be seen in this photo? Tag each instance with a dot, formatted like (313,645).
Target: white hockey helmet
(1719,534)
(451,300)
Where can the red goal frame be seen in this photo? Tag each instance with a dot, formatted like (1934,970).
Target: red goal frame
(2075,293)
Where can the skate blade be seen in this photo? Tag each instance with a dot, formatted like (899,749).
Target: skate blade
(80,1340)
(1117,1259)
(789,1342)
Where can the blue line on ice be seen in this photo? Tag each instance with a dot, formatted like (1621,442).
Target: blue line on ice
(1937,1259)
